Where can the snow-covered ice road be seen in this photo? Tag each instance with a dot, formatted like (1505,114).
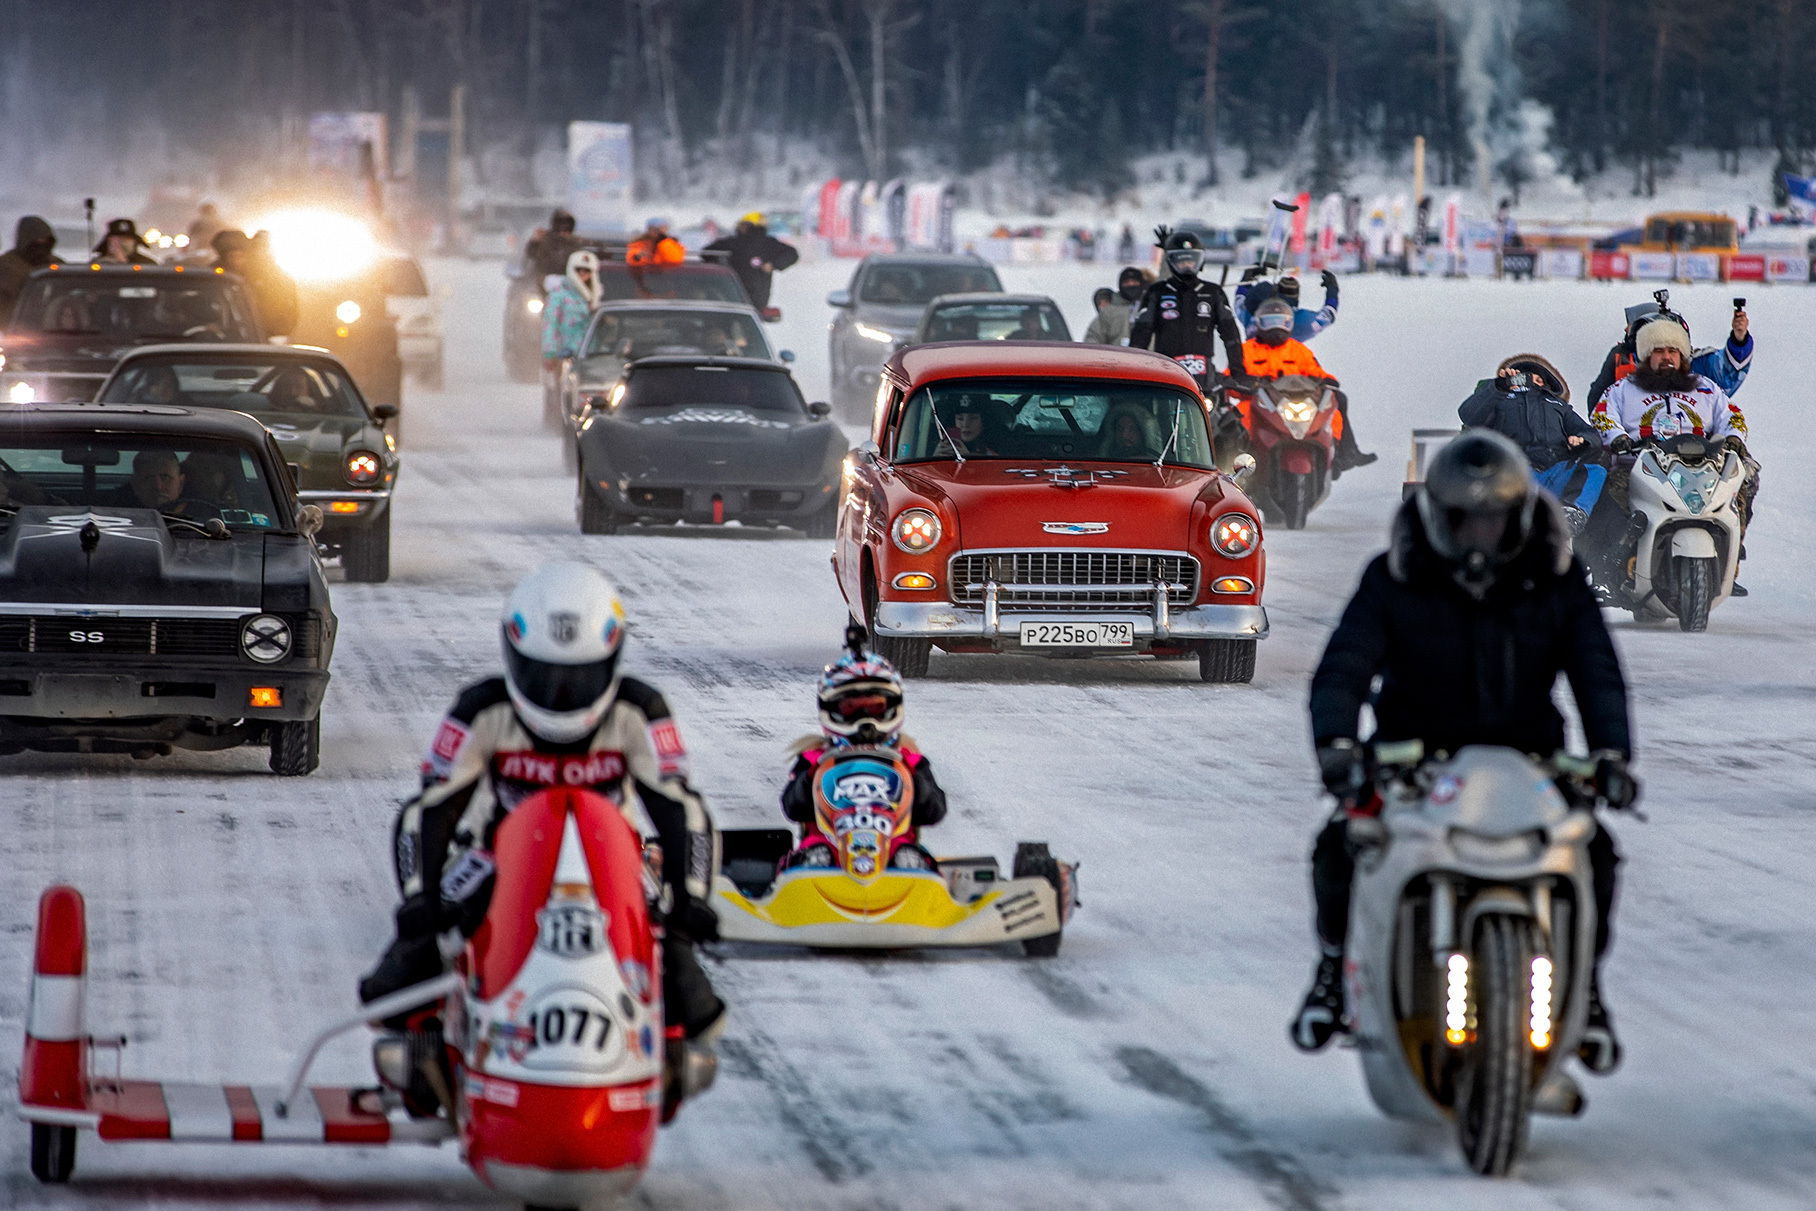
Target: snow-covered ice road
(1148,1066)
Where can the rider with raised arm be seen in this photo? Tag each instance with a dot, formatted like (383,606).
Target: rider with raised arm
(860,698)
(1274,352)
(1465,623)
(564,715)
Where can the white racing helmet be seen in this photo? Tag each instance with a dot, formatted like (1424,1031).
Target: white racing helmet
(563,629)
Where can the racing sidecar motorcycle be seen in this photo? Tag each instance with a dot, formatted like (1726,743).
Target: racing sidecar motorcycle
(555,1040)
(871,887)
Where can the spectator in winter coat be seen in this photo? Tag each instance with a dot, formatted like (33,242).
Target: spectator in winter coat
(655,246)
(755,256)
(34,248)
(1110,326)
(122,243)
(1306,323)
(549,247)
(570,308)
(1528,402)
(1725,367)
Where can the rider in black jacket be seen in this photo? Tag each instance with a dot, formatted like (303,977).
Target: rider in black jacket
(1181,315)
(1467,619)
(1528,402)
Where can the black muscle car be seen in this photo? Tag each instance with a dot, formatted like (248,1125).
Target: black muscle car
(158,586)
(708,440)
(339,446)
(73,322)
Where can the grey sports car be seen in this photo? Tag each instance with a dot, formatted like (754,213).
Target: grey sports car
(708,440)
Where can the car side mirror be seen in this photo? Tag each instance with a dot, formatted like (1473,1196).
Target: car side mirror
(868,452)
(1243,467)
(384,412)
(819,409)
(839,298)
(787,355)
(309,519)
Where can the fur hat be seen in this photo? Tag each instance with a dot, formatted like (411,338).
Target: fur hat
(1553,382)
(1662,334)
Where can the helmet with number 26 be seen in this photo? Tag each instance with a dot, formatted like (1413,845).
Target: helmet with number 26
(563,629)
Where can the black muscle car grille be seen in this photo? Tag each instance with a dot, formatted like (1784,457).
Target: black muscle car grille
(1069,579)
(66,635)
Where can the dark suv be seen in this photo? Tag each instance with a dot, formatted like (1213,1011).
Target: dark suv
(878,313)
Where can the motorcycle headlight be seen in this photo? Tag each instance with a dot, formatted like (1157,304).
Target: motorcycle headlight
(1694,486)
(363,468)
(1300,411)
(348,312)
(1235,535)
(265,638)
(916,531)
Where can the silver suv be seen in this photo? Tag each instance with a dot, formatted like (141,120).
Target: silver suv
(879,312)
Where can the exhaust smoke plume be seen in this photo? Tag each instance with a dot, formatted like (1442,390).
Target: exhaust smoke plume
(1508,131)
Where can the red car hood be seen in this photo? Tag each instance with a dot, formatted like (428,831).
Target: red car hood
(1021,504)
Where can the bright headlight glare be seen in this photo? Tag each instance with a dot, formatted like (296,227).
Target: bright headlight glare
(1301,410)
(363,467)
(533,306)
(319,245)
(1235,535)
(916,530)
(874,334)
(348,312)
(22,393)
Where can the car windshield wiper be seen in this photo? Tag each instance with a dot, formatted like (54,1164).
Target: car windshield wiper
(213,528)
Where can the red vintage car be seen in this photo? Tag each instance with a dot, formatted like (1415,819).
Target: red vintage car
(1047,498)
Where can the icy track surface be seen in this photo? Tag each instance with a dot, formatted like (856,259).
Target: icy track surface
(1146,1067)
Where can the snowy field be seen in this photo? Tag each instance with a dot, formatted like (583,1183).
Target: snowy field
(1146,1067)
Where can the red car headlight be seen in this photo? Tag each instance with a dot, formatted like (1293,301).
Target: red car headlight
(916,531)
(363,468)
(1235,535)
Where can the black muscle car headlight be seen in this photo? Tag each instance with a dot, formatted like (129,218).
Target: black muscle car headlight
(916,530)
(348,312)
(363,467)
(265,638)
(1235,535)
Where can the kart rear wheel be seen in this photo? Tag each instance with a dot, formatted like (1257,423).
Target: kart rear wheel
(1695,591)
(296,746)
(1227,661)
(53,1152)
(1494,1089)
(366,554)
(1034,861)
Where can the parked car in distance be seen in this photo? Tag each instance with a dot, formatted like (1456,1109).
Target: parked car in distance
(991,317)
(880,310)
(159,587)
(1053,499)
(708,440)
(336,444)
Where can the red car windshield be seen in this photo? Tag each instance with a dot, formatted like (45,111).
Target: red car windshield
(1093,419)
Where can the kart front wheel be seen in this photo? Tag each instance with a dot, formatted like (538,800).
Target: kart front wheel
(1033,860)
(596,515)
(53,1152)
(296,747)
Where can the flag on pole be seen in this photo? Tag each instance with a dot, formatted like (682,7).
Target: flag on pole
(1802,191)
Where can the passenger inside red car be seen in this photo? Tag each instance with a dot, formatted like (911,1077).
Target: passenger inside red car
(969,429)
(1129,433)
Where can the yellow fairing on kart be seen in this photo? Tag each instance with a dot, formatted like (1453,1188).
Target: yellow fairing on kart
(827,907)
(813,897)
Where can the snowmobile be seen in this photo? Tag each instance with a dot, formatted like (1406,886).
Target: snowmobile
(1291,425)
(1685,494)
(859,882)
(554,1074)
(1472,941)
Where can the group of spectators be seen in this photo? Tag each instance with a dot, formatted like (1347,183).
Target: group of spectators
(249,256)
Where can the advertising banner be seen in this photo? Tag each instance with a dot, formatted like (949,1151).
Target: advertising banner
(1787,269)
(1699,266)
(1743,267)
(1652,266)
(1610,266)
(1561,263)
(599,162)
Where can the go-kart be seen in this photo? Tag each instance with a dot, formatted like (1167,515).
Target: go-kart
(860,882)
(554,1073)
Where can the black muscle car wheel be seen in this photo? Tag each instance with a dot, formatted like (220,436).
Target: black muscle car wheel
(596,516)
(366,556)
(296,747)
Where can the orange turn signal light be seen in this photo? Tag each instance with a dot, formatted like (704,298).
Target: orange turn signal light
(265,695)
(1232,584)
(913,580)
(343,506)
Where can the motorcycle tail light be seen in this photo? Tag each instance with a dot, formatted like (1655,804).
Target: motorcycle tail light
(1235,535)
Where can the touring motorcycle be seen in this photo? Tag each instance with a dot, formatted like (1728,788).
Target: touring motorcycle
(858,881)
(1472,940)
(554,1074)
(1291,426)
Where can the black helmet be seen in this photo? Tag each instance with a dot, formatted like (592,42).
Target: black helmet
(1477,504)
(1185,254)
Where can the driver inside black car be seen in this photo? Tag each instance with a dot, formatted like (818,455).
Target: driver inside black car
(158,385)
(158,483)
(292,392)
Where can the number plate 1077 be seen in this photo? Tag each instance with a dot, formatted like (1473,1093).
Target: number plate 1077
(1077,634)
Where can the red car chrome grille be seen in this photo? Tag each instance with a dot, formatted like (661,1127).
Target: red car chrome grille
(1060,580)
